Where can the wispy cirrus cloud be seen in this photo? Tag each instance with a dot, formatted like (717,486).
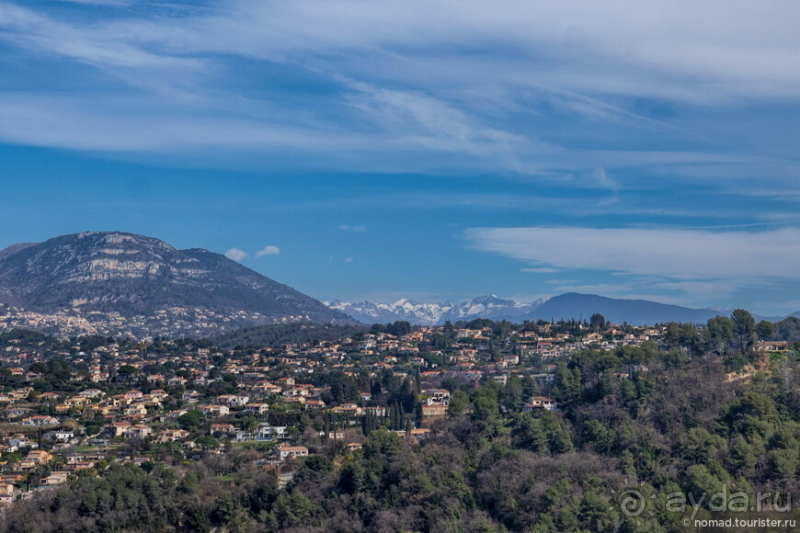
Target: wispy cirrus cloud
(575,113)
(436,124)
(440,80)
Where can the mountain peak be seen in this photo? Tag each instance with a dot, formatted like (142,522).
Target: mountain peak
(490,306)
(134,275)
(491,299)
(568,306)
(573,305)
(110,238)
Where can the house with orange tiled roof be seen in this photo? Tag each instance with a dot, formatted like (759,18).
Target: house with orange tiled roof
(138,431)
(284,452)
(216,410)
(171,435)
(119,429)
(40,420)
(257,408)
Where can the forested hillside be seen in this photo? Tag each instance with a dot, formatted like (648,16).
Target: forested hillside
(697,415)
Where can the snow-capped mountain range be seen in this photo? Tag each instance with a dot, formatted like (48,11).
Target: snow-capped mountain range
(570,306)
(490,306)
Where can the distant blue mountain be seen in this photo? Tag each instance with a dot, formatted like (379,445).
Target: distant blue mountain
(635,312)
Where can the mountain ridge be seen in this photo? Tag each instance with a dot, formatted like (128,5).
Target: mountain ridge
(568,306)
(135,275)
(103,277)
(575,306)
(489,306)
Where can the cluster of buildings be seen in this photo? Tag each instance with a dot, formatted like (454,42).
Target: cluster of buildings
(189,400)
(169,321)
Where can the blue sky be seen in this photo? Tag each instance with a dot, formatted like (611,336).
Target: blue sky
(431,149)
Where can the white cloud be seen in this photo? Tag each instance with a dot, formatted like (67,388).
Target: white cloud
(130,124)
(236,254)
(412,67)
(542,270)
(268,250)
(348,260)
(666,253)
(91,45)
(432,123)
(668,48)
(434,86)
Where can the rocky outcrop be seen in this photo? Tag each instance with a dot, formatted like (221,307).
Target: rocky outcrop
(134,275)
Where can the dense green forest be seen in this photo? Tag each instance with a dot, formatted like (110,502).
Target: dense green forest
(701,413)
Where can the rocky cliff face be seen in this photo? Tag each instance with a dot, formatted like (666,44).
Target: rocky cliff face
(133,275)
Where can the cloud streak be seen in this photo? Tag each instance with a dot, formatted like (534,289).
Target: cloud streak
(666,253)
(398,79)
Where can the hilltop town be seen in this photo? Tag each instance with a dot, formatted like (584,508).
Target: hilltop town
(170,321)
(84,414)
(68,409)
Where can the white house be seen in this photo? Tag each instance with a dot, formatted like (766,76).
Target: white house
(284,452)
